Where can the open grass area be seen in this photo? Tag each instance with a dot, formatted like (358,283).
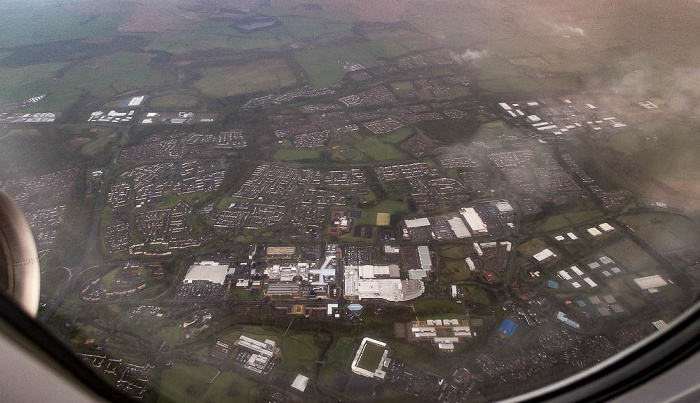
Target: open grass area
(632,257)
(397,136)
(295,154)
(231,387)
(341,353)
(667,233)
(57,22)
(379,150)
(299,352)
(19,133)
(369,216)
(20,83)
(96,146)
(217,34)
(430,308)
(453,251)
(569,219)
(324,67)
(477,295)
(371,356)
(185,383)
(108,278)
(174,100)
(261,75)
(107,219)
(303,27)
(453,270)
(109,75)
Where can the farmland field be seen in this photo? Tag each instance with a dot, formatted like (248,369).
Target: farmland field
(379,150)
(224,81)
(667,233)
(295,154)
(632,257)
(213,34)
(20,83)
(174,100)
(181,381)
(57,23)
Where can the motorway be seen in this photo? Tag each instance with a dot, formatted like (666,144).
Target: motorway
(91,240)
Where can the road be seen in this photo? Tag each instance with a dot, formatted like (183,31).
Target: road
(91,240)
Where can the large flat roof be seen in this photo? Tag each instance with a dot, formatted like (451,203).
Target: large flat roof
(207,271)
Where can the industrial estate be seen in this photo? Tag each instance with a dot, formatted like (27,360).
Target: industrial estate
(303,201)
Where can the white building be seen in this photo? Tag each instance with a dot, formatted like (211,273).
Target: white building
(208,271)
(544,255)
(473,220)
(650,283)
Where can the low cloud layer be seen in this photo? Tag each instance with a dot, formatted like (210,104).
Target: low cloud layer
(473,54)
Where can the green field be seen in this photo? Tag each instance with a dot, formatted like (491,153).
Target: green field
(371,356)
(477,295)
(369,216)
(262,75)
(453,251)
(108,278)
(216,34)
(296,154)
(20,133)
(379,150)
(174,100)
(96,146)
(299,352)
(105,76)
(632,257)
(51,23)
(185,383)
(667,233)
(20,83)
(569,219)
(324,67)
(453,270)
(341,352)
(430,308)
(231,387)
(303,27)
(397,136)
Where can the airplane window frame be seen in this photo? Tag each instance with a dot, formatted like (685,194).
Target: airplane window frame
(632,367)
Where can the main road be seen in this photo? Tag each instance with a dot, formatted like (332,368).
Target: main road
(91,241)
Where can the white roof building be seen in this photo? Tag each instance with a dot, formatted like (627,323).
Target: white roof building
(606,227)
(543,255)
(208,271)
(424,256)
(300,382)
(473,220)
(457,226)
(650,282)
(418,222)
(593,231)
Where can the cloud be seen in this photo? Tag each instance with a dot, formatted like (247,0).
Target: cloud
(679,89)
(473,54)
(564,29)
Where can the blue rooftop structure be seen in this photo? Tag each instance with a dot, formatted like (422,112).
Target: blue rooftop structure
(508,327)
(552,284)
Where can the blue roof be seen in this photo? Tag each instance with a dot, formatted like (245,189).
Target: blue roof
(355,307)
(552,284)
(581,303)
(508,327)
